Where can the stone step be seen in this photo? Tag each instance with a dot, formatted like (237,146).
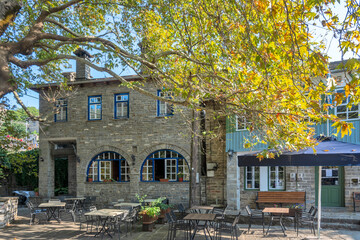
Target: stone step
(326,223)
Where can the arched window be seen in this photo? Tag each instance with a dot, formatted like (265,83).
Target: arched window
(165,164)
(108,166)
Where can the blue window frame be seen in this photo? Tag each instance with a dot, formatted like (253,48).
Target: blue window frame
(164,108)
(164,164)
(121,105)
(61,110)
(95,107)
(108,166)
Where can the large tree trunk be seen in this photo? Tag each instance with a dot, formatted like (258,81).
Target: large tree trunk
(6,84)
(8,11)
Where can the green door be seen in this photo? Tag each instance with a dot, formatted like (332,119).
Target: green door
(332,186)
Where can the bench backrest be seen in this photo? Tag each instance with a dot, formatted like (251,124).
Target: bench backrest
(274,197)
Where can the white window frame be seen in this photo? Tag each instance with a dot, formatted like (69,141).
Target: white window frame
(105,165)
(164,108)
(347,110)
(121,105)
(147,171)
(241,124)
(95,108)
(279,183)
(61,110)
(93,171)
(171,165)
(253,179)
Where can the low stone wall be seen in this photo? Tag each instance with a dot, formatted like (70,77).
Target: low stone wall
(8,210)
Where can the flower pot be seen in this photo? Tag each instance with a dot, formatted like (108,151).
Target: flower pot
(164,180)
(90,179)
(37,194)
(180,179)
(146,219)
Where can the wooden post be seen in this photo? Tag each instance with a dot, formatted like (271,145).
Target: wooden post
(195,192)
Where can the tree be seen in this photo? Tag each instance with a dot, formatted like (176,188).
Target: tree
(253,58)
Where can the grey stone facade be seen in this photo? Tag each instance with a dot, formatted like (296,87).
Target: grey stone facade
(134,138)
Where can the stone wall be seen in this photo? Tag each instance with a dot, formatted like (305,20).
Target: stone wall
(248,197)
(8,210)
(350,188)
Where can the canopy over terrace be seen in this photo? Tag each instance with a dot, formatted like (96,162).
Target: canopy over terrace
(328,152)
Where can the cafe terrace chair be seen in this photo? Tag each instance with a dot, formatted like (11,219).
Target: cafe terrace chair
(307,219)
(35,212)
(130,219)
(253,215)
(226,227)
(177,225)
(89,220)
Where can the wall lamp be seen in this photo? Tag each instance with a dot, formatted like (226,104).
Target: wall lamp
(133,159)
(230,153)
(41,159)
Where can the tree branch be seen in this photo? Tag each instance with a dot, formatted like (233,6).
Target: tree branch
(31,116)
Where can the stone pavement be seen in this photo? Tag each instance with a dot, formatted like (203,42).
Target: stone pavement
(21,229)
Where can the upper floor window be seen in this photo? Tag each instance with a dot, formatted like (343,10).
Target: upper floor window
(241,123)
(164,108)
(252,177)
(164,164)
(94,109)
(108,166)
(61,110)
(343,112)
(277,178)
(121,105)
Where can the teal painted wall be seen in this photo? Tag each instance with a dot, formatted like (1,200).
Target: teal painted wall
(235,139)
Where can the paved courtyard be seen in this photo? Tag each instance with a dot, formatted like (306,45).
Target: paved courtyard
(21,229)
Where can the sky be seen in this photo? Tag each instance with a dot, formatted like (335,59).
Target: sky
(31,98)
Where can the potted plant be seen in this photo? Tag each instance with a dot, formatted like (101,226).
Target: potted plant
(148,213)
(180,176)
(164,208)
(36,190)
(89,179)
(164,180)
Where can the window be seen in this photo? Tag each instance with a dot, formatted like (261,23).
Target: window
(276,178)
(343,112)
(252,178)
(109,166)
(164,108)
(94,108)
(164,164)
(121,105)
(241,123)
(61,110)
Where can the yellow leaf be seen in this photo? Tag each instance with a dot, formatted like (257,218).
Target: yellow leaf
(347,90)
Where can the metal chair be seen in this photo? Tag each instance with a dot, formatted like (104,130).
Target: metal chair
(34,212)
(175,225)
(225,227)
(253,214)
(130,219)
(307,219)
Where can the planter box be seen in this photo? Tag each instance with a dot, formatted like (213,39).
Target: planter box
(164,180)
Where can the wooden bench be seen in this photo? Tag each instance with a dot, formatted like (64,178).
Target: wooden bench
(281,198)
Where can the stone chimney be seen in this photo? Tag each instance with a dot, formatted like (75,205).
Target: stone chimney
(70,76)
(82,70)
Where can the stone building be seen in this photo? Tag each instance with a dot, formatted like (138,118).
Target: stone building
(118,143)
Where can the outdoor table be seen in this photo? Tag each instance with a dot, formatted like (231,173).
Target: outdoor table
(275,211)
(105,215)
(124,204)
(53,210)
(196,218)
(207,209)
(150,200)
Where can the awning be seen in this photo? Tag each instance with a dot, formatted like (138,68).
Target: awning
(328,153)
